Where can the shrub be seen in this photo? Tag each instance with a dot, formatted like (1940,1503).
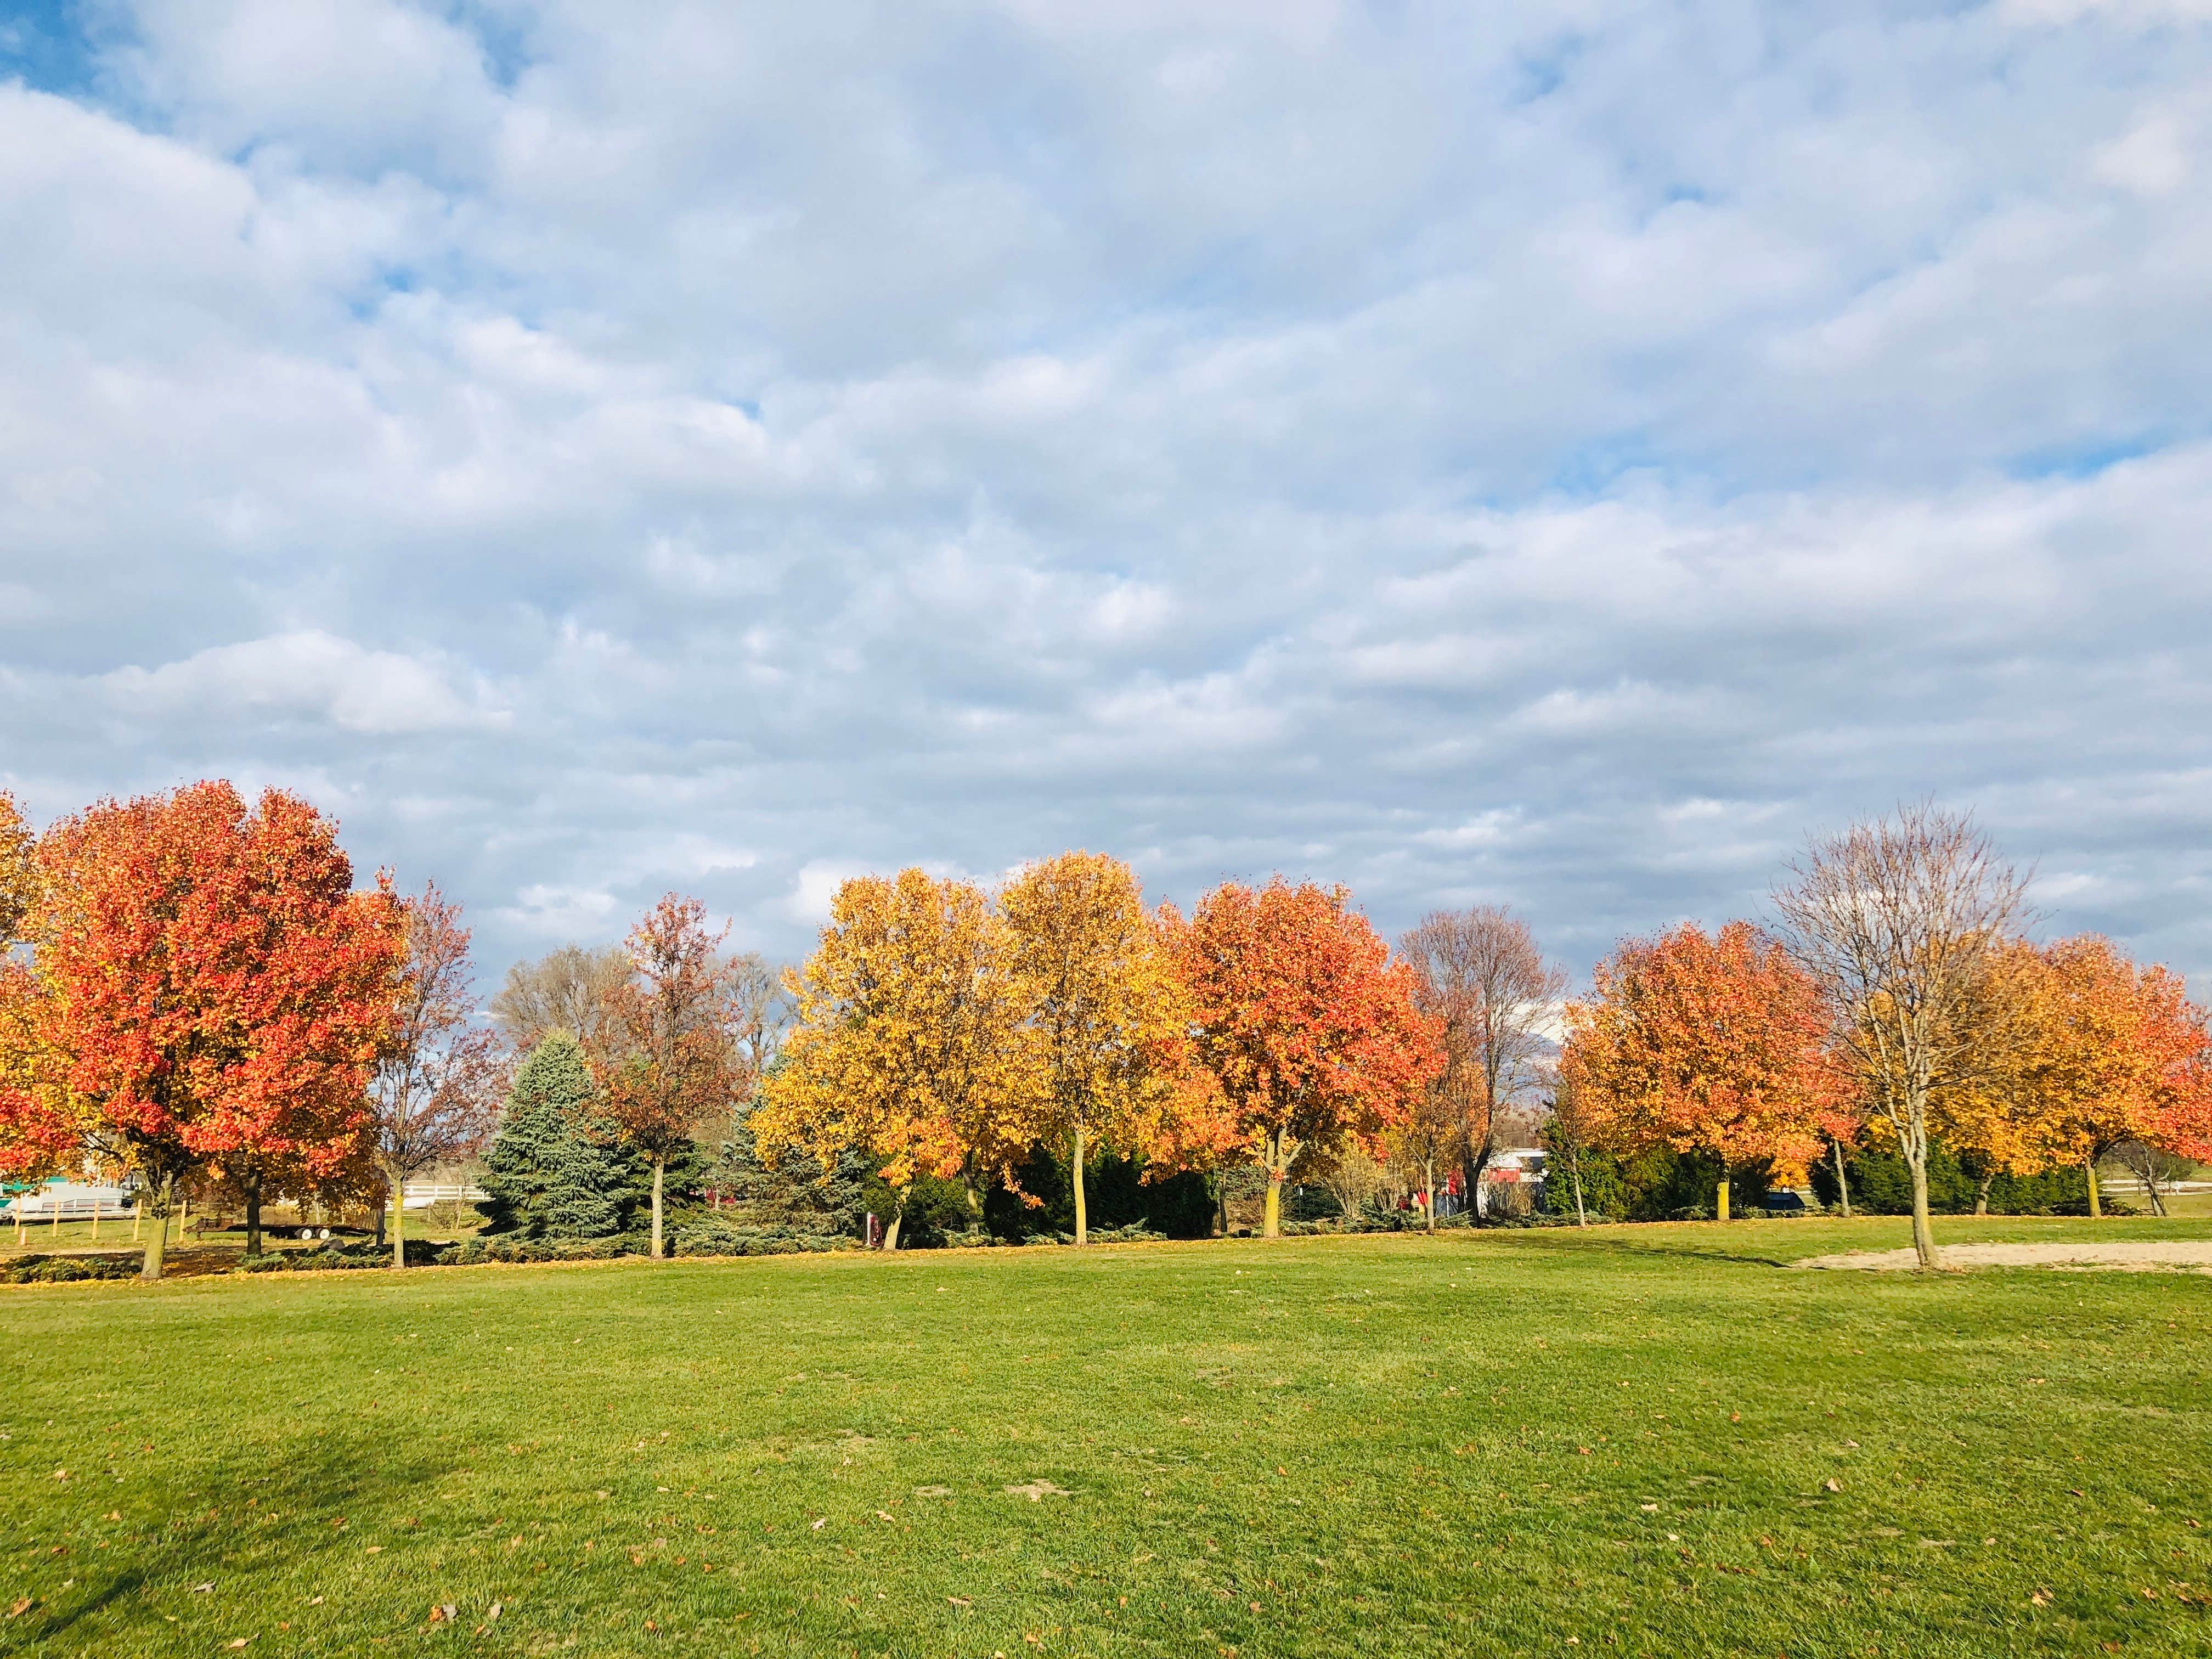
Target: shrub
(67,1269)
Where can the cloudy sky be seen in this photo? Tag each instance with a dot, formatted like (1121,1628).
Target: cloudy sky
(1558,455)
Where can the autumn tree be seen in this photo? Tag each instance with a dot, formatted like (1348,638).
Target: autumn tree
(18,871)
(913,1044)
(1569,1131)
(212,985)
(1708,1044)
(2096,1053)
(1479,973)
(1102,996)
(1306,1024)
(664,1055)
(566,990)
(435,1097)
(1899,923)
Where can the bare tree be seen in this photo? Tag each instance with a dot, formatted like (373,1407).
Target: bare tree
(565,991)
(1900,921)
(1479,971)
(1567,1135)
(2153,1167)
(1351,1178)
(435,1094)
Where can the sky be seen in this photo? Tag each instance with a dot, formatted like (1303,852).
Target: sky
(1556,456)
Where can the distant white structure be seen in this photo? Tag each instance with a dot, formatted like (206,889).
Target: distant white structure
(1512,1166)
(72,1200)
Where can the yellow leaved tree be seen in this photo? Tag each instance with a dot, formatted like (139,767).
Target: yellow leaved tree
(912,1044)
(1105,1003)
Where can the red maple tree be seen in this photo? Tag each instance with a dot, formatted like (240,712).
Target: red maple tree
(212,987)
(667,1057)
(1307,1026)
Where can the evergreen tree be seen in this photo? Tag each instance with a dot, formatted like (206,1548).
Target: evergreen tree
(552,1173)
(798,1195)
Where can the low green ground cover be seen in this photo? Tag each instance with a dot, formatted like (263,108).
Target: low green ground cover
(1654,1440)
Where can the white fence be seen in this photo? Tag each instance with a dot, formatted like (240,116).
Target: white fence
(421,1195)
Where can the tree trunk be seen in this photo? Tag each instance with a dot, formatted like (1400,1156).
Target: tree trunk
(2096,1199)
(1272,1227)
(157,1241)
(1429,1174)
(1843,1186)
(1982,1193)
(1082,1208)
(399,1221)
(253,1216)
(1575,1174)
(1721,1198)
(891,1232)
(1924,1235)
(659,1165)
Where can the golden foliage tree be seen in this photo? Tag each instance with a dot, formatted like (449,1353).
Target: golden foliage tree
(1103,999)
(913,1042)
(18,870)
(2089,1051)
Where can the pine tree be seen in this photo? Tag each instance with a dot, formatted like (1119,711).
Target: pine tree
(798,1194)
(550,1174)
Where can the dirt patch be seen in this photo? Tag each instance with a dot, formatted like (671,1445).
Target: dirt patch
(2140,1255)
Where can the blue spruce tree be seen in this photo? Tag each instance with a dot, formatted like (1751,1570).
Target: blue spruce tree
(548,1174)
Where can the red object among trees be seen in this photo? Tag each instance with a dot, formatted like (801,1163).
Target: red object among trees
(210,986)
(1302,1019)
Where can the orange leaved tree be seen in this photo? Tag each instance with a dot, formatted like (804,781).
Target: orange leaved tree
(1711,1044)
(665,1057)
(1309,1028)
(213,986)
(2100,1052)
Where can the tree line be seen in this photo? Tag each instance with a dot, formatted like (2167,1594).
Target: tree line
(204,994)
(1895,1001)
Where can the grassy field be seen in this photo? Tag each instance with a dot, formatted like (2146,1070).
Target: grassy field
(1652,1440)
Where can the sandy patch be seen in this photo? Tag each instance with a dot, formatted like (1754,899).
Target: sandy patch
(2140,1255)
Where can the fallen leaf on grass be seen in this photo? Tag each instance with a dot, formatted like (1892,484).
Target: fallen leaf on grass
(17,1609)
(819,1523)
(202,1589)
(238,1641)
(2041,1598)
(1038,1491)
(1832,1484)
(316,1602)
(497,1608)
(2073,1492)
(962,1601)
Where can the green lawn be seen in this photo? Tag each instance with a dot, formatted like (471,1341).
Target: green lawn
(1640,1440)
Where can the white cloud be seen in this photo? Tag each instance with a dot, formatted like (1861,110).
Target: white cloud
(1549,454)
(308,675)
